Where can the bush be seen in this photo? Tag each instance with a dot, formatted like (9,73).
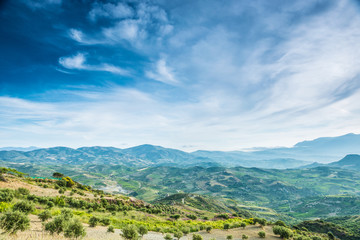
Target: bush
(142,230)
(105,221)
(67,214)
(56,226)
(74,229)
(208,229)
(178,234)
(280,223)
(243,225)
(192,216)
(25,207)
(244,237)
(284,232)
(23,191)
(168,237)
(12,222)
(111,229)
(176,216)
(261,221)
(185,230)
(229,237)
(262,234)
(45,215)
(197,237)
(226,226)
(331,236)
(6,195)
(130,232)
(93,221)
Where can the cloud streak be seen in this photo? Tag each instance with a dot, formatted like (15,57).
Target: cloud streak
(78,62)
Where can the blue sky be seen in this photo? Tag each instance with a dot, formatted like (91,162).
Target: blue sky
(220,75)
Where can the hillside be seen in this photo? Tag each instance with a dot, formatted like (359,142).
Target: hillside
(97,212)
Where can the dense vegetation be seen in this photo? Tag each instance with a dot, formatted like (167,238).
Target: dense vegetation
(65,214)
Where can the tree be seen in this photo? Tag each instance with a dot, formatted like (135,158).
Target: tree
(245,237)
(23,191)
(208,229)
(262,234)
(280,223)
(74,229)
(12,222)
(142,230)
(25,207)
(130,232)
(197,237)
(45,215)
(331,236)
(178,234)
(229,237)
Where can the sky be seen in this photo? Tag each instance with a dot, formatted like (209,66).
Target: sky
(186,74)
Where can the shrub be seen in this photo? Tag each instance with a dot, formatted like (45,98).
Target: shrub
(223,216)
(93,221)
(61,190)
(176,216)
(262,234)
(6,195)
(244,237)
(69,182)
(185,230)
(130,232)
(192,216)
(105,221)
(23,191)
(168,237)
(243,225)
(142,230)
(12,222)
(178,234)
(226,226)
(284,232)
(261,221)
(56,226)
(25,207)
(280,223)
(67,214)
(331,236)
(208,229)
(111,229)
(229,237)
(197,237)
(45,215)
(74,229)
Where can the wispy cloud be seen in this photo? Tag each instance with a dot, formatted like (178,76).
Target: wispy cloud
(39,4)
(78,62)
(162,73)
(109,10)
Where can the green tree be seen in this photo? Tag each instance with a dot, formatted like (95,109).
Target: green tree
(208,229)
(58,175)
(331,236)
(12,222)
(245,237)
(226,226)
(130,232)
(262,234)
(229,237)
(284,232)
(67,214)
(45,215)
(74,229)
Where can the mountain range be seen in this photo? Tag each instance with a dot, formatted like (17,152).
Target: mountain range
(322,150)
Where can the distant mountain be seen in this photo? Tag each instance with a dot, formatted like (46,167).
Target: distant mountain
(322,150)
(351,161)
(23,149)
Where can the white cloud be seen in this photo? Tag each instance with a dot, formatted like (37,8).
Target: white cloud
(78,62)
(162,73)
(109,10)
